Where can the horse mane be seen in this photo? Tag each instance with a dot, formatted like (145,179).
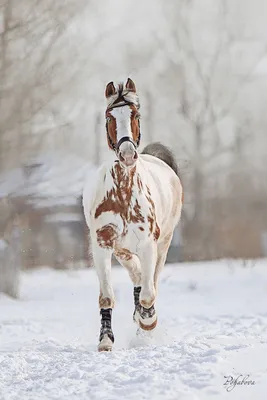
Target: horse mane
(123,95)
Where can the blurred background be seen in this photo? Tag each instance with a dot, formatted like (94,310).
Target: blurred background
(200,68)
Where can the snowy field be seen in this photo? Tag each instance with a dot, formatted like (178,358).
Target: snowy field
(212,323)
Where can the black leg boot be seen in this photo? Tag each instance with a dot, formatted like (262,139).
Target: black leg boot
(106,337)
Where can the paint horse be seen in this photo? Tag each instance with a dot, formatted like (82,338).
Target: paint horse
(131,211)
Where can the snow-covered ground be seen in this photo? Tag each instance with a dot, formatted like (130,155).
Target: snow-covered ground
(212,323)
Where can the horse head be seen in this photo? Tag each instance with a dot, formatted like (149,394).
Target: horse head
(123,121)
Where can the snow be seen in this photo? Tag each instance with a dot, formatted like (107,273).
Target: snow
(212,323)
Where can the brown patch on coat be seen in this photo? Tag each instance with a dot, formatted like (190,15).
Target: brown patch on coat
(111,129)
(123,254)
(151,218)
(141,228)
(135,126)
(139,184)
(118,199)
(156,233)
(136,216)
(106,236)
(105,302)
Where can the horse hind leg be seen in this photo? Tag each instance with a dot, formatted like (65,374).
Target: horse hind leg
(163,248)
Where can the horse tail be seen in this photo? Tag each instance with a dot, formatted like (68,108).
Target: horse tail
(163,153)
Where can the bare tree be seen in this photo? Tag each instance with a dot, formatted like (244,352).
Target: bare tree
(34,50)
(207,99)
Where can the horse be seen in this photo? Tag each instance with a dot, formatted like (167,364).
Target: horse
(131,210)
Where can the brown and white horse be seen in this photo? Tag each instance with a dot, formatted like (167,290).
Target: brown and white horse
(131,211)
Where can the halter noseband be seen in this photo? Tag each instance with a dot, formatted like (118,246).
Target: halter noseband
(116,146)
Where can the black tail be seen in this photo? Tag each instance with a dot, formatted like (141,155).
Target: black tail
(163,153)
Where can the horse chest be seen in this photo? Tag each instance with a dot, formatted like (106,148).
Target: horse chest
(125,220)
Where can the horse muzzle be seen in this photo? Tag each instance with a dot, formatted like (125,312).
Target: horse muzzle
(127,153)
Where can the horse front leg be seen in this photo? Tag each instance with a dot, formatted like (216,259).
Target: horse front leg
(102,262)
(144,296)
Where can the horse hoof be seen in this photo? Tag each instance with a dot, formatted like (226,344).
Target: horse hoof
(104,348)
(146,318)
(148,327)
(105,344)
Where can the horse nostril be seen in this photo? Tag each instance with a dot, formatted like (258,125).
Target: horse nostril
(127,158)
(121,157)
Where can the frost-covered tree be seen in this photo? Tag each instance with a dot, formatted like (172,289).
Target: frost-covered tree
(35,50)
(10,257)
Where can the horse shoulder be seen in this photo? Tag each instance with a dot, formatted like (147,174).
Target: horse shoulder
(94,190)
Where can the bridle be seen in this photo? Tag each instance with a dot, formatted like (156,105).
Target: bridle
(116,146)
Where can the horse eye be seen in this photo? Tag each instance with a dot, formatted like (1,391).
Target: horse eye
(137,116)
(108,119)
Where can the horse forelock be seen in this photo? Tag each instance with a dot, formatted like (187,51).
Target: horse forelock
(123,95)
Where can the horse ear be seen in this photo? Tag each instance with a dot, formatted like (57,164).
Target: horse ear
(130,85)
(110,90)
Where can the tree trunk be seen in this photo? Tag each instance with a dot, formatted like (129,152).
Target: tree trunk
(10,263)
